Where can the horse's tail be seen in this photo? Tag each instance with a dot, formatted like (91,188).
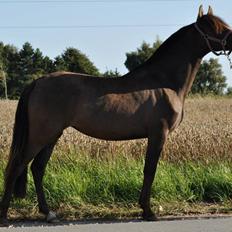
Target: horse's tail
(19,142)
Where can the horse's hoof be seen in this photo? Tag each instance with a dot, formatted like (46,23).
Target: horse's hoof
(150,217)
(4,222)
(51,217)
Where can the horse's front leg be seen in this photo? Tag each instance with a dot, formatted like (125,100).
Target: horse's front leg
(156,141)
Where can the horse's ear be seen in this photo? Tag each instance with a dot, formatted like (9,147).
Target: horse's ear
(210,11)
(201,12)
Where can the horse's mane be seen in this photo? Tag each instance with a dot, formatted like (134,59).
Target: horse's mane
(216,23)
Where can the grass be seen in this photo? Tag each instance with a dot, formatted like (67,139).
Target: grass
(93,178)
(86,187)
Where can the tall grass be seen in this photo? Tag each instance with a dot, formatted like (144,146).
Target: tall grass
(120,180)
(86,182)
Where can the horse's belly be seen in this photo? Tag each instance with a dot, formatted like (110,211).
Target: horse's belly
(111,127)
(113,116)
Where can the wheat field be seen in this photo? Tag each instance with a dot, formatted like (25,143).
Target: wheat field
(204,134)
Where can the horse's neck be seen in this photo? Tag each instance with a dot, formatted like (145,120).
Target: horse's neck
(187,78)
(181,76)
(177,61)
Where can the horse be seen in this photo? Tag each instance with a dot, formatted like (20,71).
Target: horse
(146,103)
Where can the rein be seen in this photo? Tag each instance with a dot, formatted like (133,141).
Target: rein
(223,43)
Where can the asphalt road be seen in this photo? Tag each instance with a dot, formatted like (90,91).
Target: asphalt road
(196,225)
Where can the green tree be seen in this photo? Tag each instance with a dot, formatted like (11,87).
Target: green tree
(38,68)
(229,91)
(111,74)
(74,60)
(60,64)
(21,74)
(2,81)
(27,64)
(22,67)
(143,53)
(209,79)
(1,70)
(1,52)
(48,65)
(10,64)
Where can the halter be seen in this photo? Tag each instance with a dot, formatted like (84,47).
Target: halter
(223,43)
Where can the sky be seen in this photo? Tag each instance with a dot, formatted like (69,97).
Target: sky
(103,30)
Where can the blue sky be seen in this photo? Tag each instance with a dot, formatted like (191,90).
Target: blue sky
(105,46)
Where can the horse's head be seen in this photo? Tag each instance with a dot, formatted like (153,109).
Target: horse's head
(216,33)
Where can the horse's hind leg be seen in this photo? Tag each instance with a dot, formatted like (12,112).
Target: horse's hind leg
(154,148)
(15,169)
(38,169)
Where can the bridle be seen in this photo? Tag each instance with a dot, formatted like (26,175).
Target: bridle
(223,43)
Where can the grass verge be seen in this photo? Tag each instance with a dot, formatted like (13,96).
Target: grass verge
(78,186)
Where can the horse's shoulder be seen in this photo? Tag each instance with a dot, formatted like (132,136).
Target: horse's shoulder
(173,107)
(173,100)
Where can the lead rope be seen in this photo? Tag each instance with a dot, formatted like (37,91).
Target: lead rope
(229,59)
(227,54)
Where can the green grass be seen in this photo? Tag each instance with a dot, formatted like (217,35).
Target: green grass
(91,186)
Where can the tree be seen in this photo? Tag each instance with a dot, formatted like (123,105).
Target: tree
(2,86)
(229,91)
(22,67)
(143,53)
(10,64)
(75,61)
(2,81)
(111,74)
(209,79)
(59,64)
(48,65)
(38,68)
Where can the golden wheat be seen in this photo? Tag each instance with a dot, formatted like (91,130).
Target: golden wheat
(205,134)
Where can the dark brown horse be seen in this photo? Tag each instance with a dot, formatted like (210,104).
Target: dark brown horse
(145,103)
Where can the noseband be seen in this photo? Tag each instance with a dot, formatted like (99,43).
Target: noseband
(223,43)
